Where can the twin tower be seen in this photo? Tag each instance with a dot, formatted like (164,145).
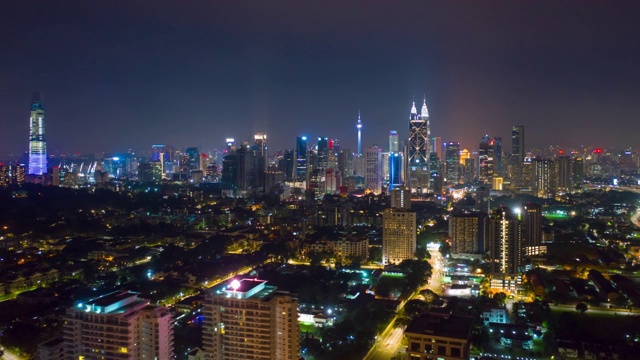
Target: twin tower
(412,169)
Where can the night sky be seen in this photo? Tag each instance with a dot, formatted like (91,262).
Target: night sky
(127,74)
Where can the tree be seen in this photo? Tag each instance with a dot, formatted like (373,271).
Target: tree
(375,254)
(422,253)
(581,307)
(500,298)
(414,308)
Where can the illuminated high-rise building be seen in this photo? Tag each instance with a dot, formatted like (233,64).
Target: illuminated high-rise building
(452,162)
(393,142)
(37,141)
(194,158)
(359,127)
(301,158)
(564,173)
(398,236)
(505,242)
(373,172)
(532,224)
(419,149)
(486,161)
(401,198)
(543,178)
(395,170)
(467,233)
(118,326)
(249,319)
(517,143)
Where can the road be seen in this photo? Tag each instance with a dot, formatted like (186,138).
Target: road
(389,343)
(601,311)
(9,356)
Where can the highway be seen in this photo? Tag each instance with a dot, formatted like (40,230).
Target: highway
(389,343)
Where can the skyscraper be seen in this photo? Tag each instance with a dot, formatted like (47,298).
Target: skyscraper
(437,147)
(505,242)
(37,141)
(373,173)
(419,149)
(359,127)
(543,178)
(248,319)
(532,224)
(497,153)
(401,198)
(118,326)
(452,162)
(467,232)
(398,236)
(517,143)
(486,161)
(301,158)
(194,158)
(395,170)
(565,173)
(393,142)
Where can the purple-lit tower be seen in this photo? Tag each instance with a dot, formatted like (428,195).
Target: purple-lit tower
(359,127)
(37,142)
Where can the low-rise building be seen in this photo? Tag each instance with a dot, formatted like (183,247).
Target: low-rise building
(434,336)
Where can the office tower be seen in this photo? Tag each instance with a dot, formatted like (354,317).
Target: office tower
(37,141)
(345,162)
(543,178)
(359,127)
(229,174)
(395,170)
(517,143)
(384,168)
(194,158)
(401,198)
(497,153)
(468,233)
(398,236)
(439,336)
(373,174)
(505,242)
(452,162)
(393,142)
(156,151)
(564,173)
(261,144)
(323,153)
(419,149)
(437,147)
(532,224)
(117,326)
(486,161)
(435,173)
(245,176)
(249,319)
(301,158)
(526,174)
(286,165)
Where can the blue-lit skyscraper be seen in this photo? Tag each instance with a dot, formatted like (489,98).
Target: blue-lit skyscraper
(301,158)
(37,142)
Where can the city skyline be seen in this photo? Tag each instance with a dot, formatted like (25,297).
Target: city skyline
(183,74)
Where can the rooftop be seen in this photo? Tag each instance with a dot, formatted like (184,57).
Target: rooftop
(449,326)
